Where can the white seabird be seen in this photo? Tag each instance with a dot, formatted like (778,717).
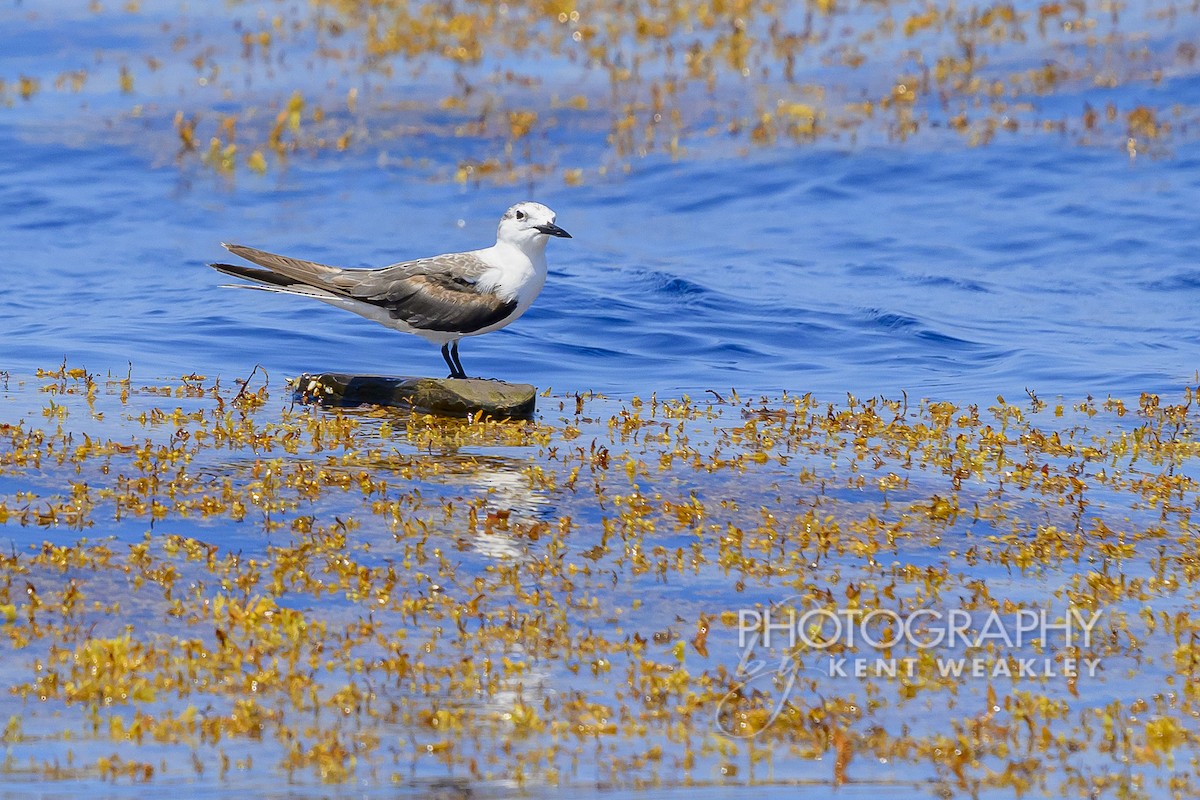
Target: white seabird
(441,298)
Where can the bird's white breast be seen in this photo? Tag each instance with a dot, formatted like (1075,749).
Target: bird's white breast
(515,274)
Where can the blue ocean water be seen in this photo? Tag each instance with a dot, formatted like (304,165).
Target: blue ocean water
(957,273)
(1061,263)
(867,266)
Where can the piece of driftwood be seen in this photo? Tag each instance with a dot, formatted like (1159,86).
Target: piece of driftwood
(455,397)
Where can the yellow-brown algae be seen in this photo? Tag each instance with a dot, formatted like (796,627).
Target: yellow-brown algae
(241,586)
(658,78)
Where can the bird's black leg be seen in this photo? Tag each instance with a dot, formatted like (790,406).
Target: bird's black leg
(462,373)
(452,361)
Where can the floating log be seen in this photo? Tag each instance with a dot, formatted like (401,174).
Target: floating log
(454,397)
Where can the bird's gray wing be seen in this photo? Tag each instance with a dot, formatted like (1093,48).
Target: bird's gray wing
(438,293)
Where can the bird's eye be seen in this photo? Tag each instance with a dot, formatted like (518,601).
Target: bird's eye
(520,215)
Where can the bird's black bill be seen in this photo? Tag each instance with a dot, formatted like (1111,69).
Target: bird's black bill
(554,230)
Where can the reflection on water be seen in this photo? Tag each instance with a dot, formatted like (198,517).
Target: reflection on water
(505,490)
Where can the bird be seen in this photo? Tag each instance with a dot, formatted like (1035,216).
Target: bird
(442,298)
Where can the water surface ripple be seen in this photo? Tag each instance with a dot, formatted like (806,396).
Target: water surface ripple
(875,267)
(962,273)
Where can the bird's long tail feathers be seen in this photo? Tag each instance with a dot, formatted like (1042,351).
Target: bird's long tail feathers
(259,276)
(295,269)
(268,281)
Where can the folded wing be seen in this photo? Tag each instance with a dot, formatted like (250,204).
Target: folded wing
(437,294)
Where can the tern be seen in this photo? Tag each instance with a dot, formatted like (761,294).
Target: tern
(441,298)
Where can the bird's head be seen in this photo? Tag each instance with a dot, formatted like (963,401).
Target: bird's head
(527,225)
